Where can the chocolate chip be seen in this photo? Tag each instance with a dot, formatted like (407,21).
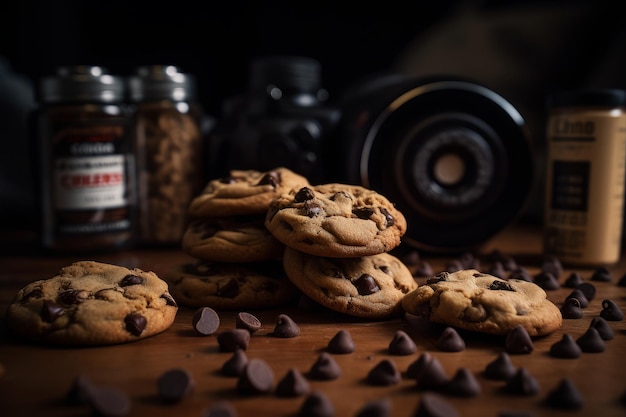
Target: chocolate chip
(453,266)
(235,365)
(324,368)
(590,341)
(257,378)
(497,270)
(401,344)
(248,321)
(610,311)
(580,296)
(312,209)
(432,376)
(565,396)
(601,274)
(469,261)
(366,285)
(363,212)
(169,300)
(223,408)
(50,311)
(417,365)
(603,328)
(501,286)
(552,265)
(131,279)
(434,405)
(442,276)
(588,289)
(205,321)
(135,323)
(380,407)
(518,341)
(303,194)
(285,327)
(571,309)
(522,383)
(566,348)
(232,339)
(228,288)
(80,391)
(293,384)
(520,274)
(423,270)
(547,281)
(389,220)
(450,341)
(573,280)
(175,384)
(316,404)
(411,258)
(501,368)
(384,373)
(341,343)
(106,401)
(71,297)
(271,178)
(463,384)
(622,281)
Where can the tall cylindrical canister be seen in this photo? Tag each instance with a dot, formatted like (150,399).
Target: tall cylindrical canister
(169,151)
(85,161)
(586,140)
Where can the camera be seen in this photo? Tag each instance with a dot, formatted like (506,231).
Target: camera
(454,156)
(283,119)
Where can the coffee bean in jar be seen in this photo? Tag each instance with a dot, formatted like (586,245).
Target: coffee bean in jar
(81,134)
(168,148)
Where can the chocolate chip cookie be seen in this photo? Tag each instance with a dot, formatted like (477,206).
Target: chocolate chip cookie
(92,303)
(472,300)
(231,239)
(230,286)
(336,220)
(243,192)
(369,287)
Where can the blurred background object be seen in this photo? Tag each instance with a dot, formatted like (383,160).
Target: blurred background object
(523,50)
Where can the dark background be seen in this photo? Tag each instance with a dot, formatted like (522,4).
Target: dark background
(521,49)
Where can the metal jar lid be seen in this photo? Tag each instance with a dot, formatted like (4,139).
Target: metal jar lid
(82,83)
(157,82)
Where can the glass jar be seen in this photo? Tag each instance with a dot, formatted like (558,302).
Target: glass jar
(169,151)
(85,161)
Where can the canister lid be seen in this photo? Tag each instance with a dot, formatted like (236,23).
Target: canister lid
(82,83)
(608,97)
(158,82)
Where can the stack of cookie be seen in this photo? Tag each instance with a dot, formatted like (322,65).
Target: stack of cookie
(337,240)
(237,261)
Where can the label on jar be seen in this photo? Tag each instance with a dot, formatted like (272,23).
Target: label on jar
(90,180)
(585,187)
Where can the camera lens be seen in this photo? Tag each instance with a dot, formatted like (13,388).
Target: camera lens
(453,155)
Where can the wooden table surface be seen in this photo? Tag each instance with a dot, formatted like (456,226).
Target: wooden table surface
(36,379)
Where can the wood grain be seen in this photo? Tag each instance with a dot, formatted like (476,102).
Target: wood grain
(36,379)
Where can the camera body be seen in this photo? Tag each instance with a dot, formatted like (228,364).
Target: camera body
(282,120)
(454,156)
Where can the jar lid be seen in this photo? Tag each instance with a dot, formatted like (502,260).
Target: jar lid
(609,97)
(157,82)
(82,83)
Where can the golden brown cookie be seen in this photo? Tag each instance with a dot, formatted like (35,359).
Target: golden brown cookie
(231,239)
(469,299)
(243,192)
(369,287)
(231,286)
(336,220)
(92,303)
